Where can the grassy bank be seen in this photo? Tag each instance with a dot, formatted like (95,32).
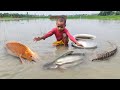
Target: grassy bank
(111,17)
(23,18)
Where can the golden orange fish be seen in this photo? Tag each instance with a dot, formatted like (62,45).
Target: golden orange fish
(20,50)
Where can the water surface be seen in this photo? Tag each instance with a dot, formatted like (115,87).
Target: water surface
(25,30)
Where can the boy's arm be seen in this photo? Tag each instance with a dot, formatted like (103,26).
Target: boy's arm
(72,38)
(50,33)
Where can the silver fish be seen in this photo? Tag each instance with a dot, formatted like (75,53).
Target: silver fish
(65,61)
(88,44)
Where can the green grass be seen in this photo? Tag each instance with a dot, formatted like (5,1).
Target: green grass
(111,17)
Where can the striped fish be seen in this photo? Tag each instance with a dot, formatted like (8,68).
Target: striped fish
(107,54)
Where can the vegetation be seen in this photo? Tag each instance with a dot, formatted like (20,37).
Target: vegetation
(106,13)
(16,16)
(114,15)
(110,15)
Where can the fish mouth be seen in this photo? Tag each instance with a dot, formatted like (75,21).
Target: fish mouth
(33,61)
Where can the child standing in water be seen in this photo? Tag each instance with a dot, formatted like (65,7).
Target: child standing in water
(61,33)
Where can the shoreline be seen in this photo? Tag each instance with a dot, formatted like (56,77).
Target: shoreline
(15,19)
(111,17)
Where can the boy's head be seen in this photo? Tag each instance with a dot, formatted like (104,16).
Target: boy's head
(61,23)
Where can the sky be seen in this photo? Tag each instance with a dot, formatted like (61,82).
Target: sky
(52,12)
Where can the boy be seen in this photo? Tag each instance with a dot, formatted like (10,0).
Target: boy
(61,33)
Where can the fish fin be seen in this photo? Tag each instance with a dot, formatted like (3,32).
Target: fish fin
(83,54)
(107,58)
(21,60)
(61,69)
(65,54)
(68,53)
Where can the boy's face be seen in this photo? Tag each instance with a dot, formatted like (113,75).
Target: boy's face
(60,25)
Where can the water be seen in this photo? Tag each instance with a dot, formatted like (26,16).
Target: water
(25,30)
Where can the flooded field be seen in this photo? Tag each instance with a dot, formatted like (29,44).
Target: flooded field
(25,30)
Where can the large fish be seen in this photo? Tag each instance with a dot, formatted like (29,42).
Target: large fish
(20,50)
(105,55)
(65,61)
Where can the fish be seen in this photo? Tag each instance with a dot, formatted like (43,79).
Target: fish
(20,50)
(106,54)
(65,61)
(87,44)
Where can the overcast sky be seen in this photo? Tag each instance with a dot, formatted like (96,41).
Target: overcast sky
(52,12)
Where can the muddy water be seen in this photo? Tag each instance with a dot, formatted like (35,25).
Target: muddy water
(25,30)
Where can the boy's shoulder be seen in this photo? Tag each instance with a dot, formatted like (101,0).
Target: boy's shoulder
(54,28)
(65,29)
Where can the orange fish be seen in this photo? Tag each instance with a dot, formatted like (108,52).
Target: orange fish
(19,50)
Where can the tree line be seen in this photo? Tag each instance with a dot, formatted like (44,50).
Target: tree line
(105,13)
(16,15)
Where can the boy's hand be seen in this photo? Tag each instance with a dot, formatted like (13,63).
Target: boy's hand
(37,39)
(78,44)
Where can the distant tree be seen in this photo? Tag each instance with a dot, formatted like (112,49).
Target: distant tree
(105,13)
(117,13)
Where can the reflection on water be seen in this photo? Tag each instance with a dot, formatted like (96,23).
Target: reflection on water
(25,30)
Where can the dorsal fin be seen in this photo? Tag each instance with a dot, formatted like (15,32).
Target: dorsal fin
(65,54)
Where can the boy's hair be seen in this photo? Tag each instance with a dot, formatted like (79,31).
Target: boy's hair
(62,19)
